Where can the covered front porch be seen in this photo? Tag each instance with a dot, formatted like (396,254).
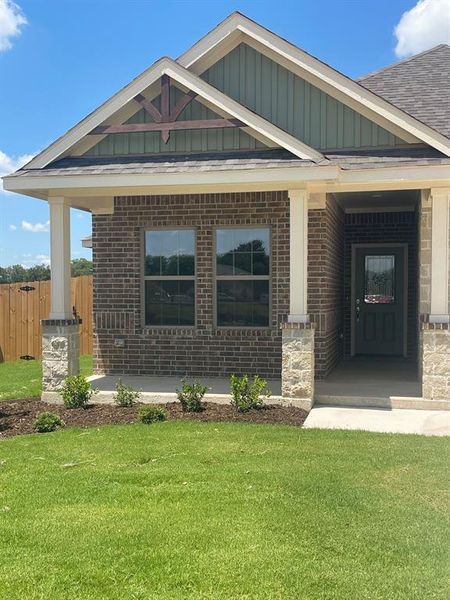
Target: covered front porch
(314,340)
(365,382)
(379,304)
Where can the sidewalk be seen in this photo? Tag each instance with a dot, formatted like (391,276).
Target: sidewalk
(424,422)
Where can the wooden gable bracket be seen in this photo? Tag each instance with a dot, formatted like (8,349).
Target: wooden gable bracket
(165,120)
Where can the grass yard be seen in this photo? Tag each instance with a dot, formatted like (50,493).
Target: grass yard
(22,378)
(194,511)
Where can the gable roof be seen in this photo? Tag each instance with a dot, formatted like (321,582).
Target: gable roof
(167,66)
(419,85)
(237,28)
(232,31)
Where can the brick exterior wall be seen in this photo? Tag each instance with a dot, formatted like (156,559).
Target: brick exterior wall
(383,227)
(203,349)
(325,283)
(206,349)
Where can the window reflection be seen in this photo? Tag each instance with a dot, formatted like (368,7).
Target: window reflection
(243,269)
(170,252)
(243,252)
(169,277)
(379,279)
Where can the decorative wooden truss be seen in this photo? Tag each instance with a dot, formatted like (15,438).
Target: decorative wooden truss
(165,120)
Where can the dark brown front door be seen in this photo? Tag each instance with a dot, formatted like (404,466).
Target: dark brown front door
(379,293)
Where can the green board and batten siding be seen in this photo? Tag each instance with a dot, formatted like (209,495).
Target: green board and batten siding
(205,140)
(268,89)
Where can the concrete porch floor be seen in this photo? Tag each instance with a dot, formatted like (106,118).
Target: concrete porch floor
(360,382)
(373,382)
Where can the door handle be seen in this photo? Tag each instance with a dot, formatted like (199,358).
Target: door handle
(357,309)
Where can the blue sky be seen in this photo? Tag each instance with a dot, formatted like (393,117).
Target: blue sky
(71,55)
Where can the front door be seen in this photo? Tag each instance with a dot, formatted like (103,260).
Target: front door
(379,299)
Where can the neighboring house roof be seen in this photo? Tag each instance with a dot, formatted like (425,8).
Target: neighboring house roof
(419,85)
(87,242)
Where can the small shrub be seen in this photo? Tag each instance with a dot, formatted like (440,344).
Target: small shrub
(246,394)
(76,391)
(47,421)
(191,396)
(151,414)
(125,394)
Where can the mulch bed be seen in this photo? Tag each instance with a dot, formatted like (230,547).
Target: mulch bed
(17,416)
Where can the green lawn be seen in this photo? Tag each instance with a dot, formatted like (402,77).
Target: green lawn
(22,378)
(193,511)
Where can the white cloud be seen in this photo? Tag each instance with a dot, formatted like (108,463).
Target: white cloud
(37,259)
(11,21)
(427,24)
(36,227)
(9,164)
(13,227)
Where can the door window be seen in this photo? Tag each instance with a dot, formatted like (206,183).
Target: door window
(379,273)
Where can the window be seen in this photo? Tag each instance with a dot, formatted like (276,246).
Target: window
(170,277)
(379,280)
(243,274)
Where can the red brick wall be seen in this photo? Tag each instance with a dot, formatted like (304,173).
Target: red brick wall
(204,349)
(325,283)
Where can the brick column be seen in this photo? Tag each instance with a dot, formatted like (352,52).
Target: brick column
(297,372)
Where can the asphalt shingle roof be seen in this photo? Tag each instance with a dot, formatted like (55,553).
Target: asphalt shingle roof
(419,85)
(227,161)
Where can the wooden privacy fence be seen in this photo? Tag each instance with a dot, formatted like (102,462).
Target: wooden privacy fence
(23,305)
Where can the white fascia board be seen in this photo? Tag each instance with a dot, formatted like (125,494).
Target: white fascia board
(228,28)
(385,179)
(98,116)
(78,184)
(353,91)
(315,178)
(408,175)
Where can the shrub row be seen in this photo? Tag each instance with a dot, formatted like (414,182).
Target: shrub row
(77,391)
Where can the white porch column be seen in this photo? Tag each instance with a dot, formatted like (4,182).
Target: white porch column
(61,331)
(298,201)
(60,258)
(297,365)
(440,255)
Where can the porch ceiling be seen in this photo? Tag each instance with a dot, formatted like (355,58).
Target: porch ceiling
(402,200)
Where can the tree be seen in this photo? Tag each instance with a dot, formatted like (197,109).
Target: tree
(16,273)
(38,273)
(81,266)
(19,273)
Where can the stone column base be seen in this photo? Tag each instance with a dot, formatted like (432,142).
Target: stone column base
(60,352)
(435,367)
(297,371)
